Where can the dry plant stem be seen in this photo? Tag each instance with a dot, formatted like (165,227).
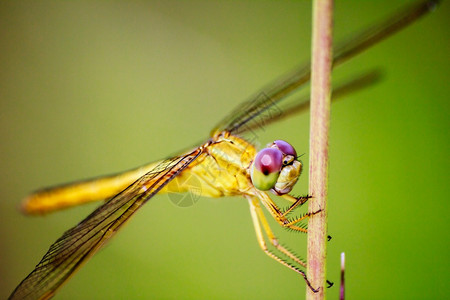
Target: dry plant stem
(342,289)
(322,58)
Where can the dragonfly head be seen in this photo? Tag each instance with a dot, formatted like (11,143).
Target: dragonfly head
(275,168)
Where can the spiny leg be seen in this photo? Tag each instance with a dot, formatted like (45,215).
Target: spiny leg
(296,202)
(289,198)
(271,236)
(258,219)
(280,216)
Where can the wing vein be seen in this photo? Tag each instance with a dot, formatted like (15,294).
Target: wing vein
(77,244)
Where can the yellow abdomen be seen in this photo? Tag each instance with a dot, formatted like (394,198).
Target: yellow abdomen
(222,170)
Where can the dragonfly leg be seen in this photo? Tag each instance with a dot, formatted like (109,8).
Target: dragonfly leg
(296,202)
(280,216)
(258,220)
(291,223)
(289,198)
(261,219)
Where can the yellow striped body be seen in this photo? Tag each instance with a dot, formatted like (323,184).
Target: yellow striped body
(77,193)
(222,170)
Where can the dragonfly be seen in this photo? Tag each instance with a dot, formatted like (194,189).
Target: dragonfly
(226,164)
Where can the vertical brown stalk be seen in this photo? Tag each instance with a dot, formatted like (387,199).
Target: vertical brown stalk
(342,286)
(322,58)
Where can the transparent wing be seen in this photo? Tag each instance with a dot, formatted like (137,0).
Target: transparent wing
(301,104)
(78,244)
(261,107)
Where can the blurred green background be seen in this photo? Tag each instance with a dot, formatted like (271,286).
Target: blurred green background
(90,88)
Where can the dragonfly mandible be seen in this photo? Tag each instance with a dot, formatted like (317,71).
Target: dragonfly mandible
(225,165)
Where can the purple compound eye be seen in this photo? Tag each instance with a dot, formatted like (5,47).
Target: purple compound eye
(266,168)
(285,147)
(269,160)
